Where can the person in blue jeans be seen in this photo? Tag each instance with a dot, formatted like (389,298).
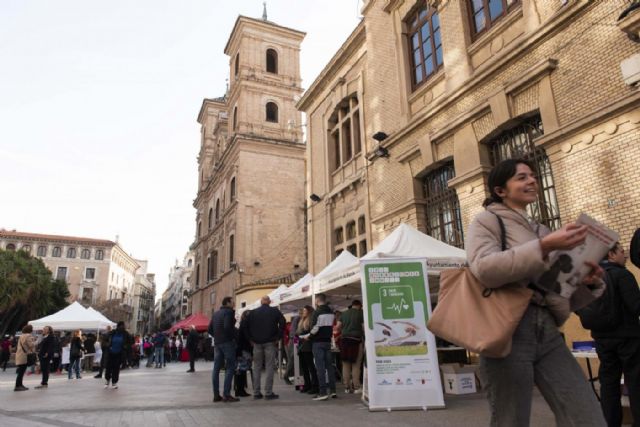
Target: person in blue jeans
(320,336)
(222,328)
(75,354)
(158,343)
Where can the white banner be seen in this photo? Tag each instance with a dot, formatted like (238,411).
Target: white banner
(402,360)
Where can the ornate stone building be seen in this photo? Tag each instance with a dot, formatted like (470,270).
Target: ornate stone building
(442,90)
(250,201)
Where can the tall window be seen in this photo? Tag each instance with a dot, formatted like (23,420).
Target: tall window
(199,229)
(61,274)
(11,247)
(57,252)
(231,250)
(339,233)
(344,132)
(197,276)
(42,251)
(26,248)
(217,210)
(71,253)
(484,13)
(214,265)
(518,142)
(99,254)
(443,209)
(236,67)
(232,189)
(210,217)
(85,254)
(425,43)
(235,118)
(272,112)
(208,269)
(90,273)
(272,61)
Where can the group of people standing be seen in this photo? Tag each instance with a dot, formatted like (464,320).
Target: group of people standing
(253,346)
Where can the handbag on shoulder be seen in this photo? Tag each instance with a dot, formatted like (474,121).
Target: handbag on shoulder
(475,317)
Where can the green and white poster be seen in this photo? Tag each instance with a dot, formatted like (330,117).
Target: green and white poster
(402,361)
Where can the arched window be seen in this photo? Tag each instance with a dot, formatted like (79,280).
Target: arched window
(518,142)
(99,254)
(197,276)
(232,189)
(11,247)
(57,252)
(272,61)
(71,253)
(235,118)
(272,112)
(199,228)
(217,210)
(425,43)
(231,250)
(208,269)
(344,132)
(236,67)
(444,221)
(42,251)
(85,254)
(485,13)
(189,263)
(210,217)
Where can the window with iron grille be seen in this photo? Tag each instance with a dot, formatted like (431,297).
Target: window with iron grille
(444,221)
(425,44)
(518,142)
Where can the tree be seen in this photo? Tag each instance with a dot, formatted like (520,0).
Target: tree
(27,290)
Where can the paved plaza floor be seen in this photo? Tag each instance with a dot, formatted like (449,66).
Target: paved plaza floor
(172,397)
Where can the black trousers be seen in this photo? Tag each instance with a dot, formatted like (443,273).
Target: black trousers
(21,370)
(192,359)
(618,356)
(45,367)
(308,369)
(113,367)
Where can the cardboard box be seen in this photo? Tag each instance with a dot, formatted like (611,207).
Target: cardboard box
(458,379)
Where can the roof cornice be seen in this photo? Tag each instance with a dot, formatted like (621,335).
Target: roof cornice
(245,20)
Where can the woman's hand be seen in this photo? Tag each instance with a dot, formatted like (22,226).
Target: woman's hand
(595,275)
(566,238)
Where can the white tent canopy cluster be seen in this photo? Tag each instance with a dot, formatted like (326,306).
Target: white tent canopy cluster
(73,317)
(341,278)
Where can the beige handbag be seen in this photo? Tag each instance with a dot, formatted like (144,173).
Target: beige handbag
(480,319)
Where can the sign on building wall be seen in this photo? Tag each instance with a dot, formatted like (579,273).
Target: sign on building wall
(402,360)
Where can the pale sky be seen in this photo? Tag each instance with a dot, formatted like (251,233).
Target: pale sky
(98,108)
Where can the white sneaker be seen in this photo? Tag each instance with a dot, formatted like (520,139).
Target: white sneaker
(114,386)
(358,391)
(321,397)
(106,384)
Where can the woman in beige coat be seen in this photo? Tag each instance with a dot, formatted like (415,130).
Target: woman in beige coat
(539,355)
(26,345)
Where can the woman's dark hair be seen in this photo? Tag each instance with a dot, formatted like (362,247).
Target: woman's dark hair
(309,309)
(27,329)
(500,174)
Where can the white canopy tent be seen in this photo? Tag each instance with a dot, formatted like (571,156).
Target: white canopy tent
(72,317)
(340,278)
(297,295)
(274,296)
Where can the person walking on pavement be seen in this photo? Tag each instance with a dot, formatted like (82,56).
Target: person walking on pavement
(222,328)
(158,344)
(320,336)
(75,354)
(539,355)
(25,345)
(351,348)
(104,343)
(119,341)
(192,347)
(45,354)
(265,328)
(305,353)
(618,339)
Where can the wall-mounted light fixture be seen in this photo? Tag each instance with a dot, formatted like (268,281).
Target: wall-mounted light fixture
(380,151)
(315,198)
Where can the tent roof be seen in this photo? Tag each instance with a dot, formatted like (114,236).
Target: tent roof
(406,241)
(343,270)
(342,262)
(300,289)
(99,315)
(199,320)
(74,316)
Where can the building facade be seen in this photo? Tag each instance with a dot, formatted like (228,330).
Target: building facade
(144,293)
(176,299)
(250,201)
(99,272)
(443,90)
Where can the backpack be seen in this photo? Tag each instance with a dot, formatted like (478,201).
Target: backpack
(605,313)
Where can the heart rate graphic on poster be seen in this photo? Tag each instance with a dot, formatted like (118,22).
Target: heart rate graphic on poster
(399,336)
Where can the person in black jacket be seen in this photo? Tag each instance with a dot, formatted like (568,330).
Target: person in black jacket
(45,354)
(222,328)
(192,347)
(619,347)
(320,336)
(119,343)
(265,328)
(75,354)
(243,357)
(104,346)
